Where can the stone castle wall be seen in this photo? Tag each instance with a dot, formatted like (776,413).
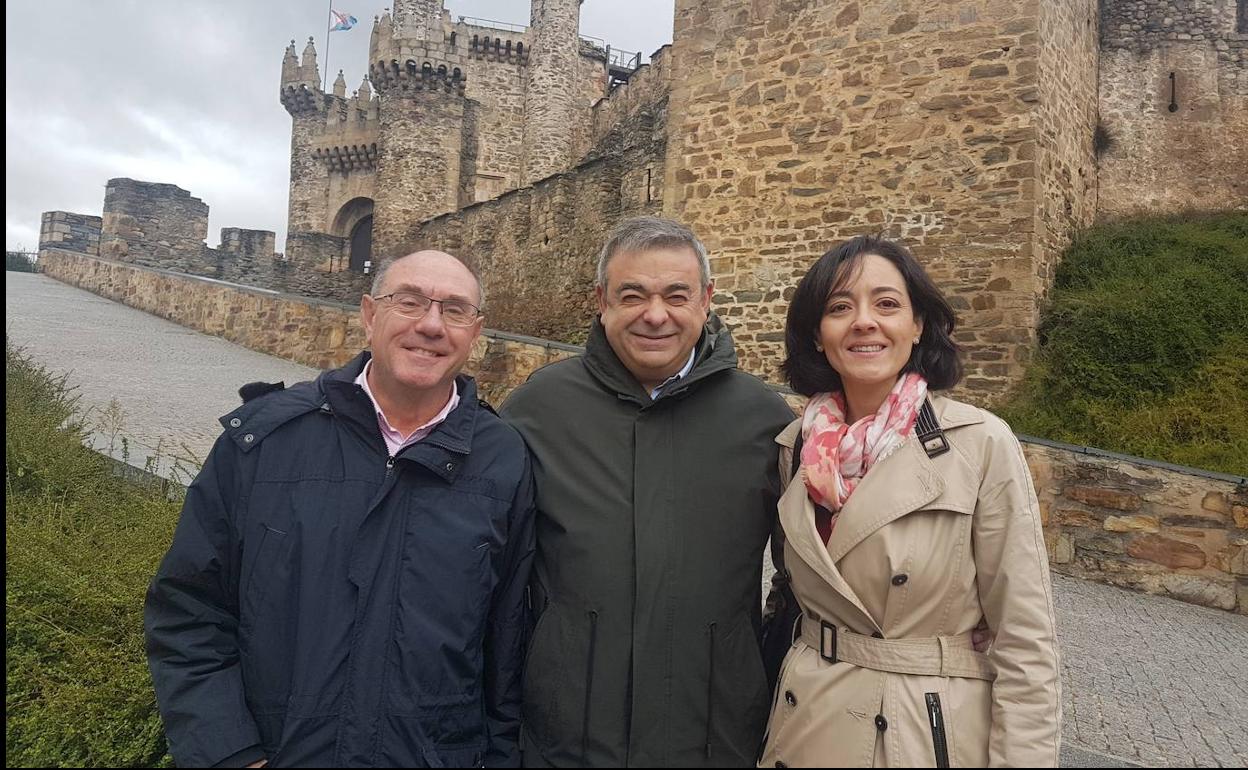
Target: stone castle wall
(1065,165)
(154,225)
(310,332)
(551,106)
(1109,518)
(797,125)
(497,73)
(1193,156)
(73,232)
(536,247)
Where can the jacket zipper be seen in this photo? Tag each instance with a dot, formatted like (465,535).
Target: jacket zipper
(936,718)
(710,690)
(589,685)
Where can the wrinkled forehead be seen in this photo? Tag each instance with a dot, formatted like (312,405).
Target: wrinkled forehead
(436,275)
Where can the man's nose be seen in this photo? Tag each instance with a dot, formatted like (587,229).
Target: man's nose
(656,312)
(432,323)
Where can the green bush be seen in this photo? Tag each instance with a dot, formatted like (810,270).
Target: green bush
(19,262)
(81,545)
(1143,348)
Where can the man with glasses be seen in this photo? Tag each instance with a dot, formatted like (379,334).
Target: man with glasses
(657,482)
(346,584)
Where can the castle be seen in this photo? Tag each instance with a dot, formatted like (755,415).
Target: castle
(983,133)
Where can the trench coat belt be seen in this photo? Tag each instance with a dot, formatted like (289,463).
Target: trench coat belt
(950,656)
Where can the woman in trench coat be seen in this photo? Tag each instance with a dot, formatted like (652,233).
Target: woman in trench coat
(910,521)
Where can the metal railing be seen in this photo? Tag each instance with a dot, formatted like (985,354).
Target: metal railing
(479,22)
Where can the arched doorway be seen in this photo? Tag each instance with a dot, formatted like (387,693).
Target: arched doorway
(354,223)
(362,244)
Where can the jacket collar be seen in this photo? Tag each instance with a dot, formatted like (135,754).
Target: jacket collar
(713,353)
(442,451)
(904,481)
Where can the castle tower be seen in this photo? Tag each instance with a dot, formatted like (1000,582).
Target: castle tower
(303,98)
(418,19)
(550,102)
(420,156)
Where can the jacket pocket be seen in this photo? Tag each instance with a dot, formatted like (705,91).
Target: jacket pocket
(545,671)
(737,693)
(936,721)
(261,564)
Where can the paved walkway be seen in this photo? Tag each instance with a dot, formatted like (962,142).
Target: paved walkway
(1145,679)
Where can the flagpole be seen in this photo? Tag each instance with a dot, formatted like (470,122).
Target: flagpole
(329,12)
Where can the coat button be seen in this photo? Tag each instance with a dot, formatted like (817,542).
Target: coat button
(780,764)
(881,723)
(235,422)
(790,698)
(450,466)
(900,580)
(248,438)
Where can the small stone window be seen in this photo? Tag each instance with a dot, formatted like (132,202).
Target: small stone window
(1241,16)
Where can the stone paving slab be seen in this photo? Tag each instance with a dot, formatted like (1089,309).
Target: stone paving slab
(1145,680)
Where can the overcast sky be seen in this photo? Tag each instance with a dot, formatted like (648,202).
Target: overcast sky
(186,92)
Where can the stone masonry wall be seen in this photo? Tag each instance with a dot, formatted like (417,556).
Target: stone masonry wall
(307,331)
(536,247)
(1193,156)
(645,92)
(1065,123)
(795,125)
(75,232)
(497,76)
(418,169)
(1109,518)
(550,103)
(154,225)
(1125,522)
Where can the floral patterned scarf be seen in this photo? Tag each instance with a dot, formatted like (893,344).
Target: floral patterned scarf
(836,456)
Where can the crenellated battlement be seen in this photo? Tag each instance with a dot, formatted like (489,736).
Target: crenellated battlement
(353,157)
(510,46)
(301,90)
(414,64)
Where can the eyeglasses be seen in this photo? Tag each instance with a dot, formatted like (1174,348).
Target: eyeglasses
(415,306)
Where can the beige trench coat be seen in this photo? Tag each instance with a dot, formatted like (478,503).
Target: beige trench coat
(922,550)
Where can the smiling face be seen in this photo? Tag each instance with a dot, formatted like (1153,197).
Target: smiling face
(653,310)
(416,357)
(869,328)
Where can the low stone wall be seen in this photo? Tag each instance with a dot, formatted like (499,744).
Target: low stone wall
(1111,518)
(308,331)
(1150,526)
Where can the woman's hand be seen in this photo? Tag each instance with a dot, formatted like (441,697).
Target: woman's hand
(981,637)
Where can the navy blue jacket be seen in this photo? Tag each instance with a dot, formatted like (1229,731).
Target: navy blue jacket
(325,604)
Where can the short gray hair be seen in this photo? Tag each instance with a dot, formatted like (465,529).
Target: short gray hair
(643,233)
(379,277)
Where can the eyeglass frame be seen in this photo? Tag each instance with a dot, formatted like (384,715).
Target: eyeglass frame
(477,313)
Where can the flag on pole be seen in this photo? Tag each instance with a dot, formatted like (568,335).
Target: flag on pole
(342,21)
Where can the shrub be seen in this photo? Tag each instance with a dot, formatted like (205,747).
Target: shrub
(19,261)
(81,545)
(1143,348)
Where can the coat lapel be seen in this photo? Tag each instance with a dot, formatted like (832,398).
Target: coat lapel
(903,482)
(797,517)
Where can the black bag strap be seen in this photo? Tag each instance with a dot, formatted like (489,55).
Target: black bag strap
(928,429)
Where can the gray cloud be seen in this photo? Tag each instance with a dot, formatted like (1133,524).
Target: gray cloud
(186,93)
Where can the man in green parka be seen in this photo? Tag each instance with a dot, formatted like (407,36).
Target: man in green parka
(657,481)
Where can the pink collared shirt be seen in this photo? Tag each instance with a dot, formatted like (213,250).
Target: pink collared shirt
(395,441)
